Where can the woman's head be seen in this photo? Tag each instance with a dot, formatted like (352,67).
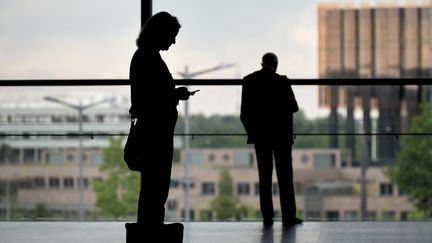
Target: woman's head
(159,31)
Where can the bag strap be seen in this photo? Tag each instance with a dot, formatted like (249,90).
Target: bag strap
(134,121)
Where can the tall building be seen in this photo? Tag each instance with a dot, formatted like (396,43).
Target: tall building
(386,41)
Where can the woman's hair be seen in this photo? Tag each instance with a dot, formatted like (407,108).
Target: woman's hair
(158,27)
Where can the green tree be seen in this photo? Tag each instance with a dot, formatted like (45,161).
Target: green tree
(117,194)
(226,204)
(412,171)
(40,211)
(307,126)
(6,154)
(247,212)
(218,124)
(16,213)
(215,124)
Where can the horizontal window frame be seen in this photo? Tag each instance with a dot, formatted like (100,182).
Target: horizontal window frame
(214,82)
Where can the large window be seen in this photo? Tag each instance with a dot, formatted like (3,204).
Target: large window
(340,131)
(69,39)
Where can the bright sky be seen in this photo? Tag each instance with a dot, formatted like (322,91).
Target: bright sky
(56,39)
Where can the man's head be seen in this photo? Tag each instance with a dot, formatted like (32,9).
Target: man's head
(270,60)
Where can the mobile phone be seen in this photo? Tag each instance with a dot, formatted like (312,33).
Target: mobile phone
(193,92)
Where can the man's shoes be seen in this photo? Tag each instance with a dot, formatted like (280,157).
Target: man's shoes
(138,233)
(268,222)
(291,222)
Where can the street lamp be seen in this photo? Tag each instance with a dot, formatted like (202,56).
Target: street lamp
(5,152)
(80,108)
(187,75)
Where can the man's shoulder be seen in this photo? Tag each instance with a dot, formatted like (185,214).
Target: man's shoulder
(282,77)
(253,75)
(265,75)
(261,75)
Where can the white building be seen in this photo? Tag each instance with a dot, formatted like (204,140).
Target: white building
(44,169)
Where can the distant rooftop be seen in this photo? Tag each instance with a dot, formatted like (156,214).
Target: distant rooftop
(371,4)
(29,100)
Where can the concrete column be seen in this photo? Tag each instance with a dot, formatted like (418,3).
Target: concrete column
(389,122)
(350,125)
(333,126)
(146,10)
(21,156)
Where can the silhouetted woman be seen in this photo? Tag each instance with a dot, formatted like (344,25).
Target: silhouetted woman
(154,100)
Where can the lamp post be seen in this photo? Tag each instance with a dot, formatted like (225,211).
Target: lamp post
(188,75)
(5,156)
(80,108)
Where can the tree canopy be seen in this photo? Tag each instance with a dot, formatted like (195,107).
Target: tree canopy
(225,204)
(117,194)
(230,124)
(413,169)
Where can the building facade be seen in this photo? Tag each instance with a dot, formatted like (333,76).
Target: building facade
(326,183)
(43,163)
(327,186)
(44,169)
(385,41)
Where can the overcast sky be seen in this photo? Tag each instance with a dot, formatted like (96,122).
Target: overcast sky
(56,39)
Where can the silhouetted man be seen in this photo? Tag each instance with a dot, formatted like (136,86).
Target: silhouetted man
(267,108)
(154,101)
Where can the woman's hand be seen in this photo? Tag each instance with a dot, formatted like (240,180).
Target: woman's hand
(182,93)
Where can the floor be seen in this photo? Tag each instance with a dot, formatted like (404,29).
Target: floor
(225,232)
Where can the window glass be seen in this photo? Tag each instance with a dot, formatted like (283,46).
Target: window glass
(39,182)
(58,39)
(332,215)
(56,158)
(243,188)
(324,161)
(54,182)
(243,159)
(207,188)
(69,39)
(350,215)
(68,183)
(386,189)
(172,205)
(96,159)
(197,158)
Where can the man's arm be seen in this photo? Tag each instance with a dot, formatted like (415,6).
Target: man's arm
(247,107)
(293,101)
(291,97)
